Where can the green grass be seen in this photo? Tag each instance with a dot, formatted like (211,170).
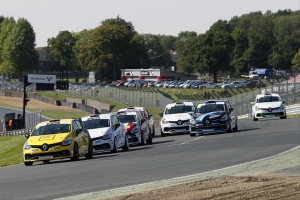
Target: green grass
(11,150)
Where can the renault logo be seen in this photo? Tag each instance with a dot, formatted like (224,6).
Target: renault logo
(179,122)
(270,109)
(207,121)
(45,147)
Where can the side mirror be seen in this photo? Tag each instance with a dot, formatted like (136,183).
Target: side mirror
(191,113)
(26,135)
(283,101)
(252,103)
(150,115)
(143,120)
(230,110)
(78,131)
(116,125)
(160,114)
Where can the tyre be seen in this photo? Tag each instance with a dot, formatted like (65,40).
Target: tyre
(284,117)
(125,147)
(192,134)
(229,129)
(149,140)
(75,156)
(162,134)
(28,163)
(115,149)
(254,118)
(142,139)
(90,153)
(236,127)
(46,161)
(153,132)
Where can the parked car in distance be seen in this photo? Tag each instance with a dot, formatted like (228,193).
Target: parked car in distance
(233,84)
(106,131)
(210,85)
(57,139)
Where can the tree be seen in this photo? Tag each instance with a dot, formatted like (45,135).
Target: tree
(109,49)
(296,62)
(6,26)
(182,38)
(19,52)
(213,50)
(61,50)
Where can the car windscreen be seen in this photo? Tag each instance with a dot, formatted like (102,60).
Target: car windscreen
(267,99)
(96,123)
(179,109)
(51,129)
(206,108)
(127,118)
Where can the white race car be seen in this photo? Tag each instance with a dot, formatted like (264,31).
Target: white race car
(137,127)
(176,118)
(268,106)
(107,132)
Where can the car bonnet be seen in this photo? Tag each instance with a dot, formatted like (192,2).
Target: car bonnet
(98,132)
(49,138)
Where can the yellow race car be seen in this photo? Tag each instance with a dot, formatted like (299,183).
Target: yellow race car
(57,139)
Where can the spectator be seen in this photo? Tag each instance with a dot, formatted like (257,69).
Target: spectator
(10,124)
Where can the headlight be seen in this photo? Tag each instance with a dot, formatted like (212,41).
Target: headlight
(192,121)
(106,136)
(257,108)
(224,118)
(281,107)
(26,146)
(67,141)
(134,130)
(164,121)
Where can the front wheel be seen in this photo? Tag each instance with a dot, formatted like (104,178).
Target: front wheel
(142,139)
(90,152)
(153,131)
(236,127)
(125,147)
(28,163)
(46,161)
(284,117)
(115,149)
(149,140)
(192,134)
(254,118)
(229,128)
(75,156)
(162,134)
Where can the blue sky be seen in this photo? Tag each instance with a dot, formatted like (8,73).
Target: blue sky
(164,17)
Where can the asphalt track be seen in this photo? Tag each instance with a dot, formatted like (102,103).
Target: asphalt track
(256,148)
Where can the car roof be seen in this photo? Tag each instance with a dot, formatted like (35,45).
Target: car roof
(63,121)
(188,103)
(101,116)
(212,101)
(131,109)
(268,94)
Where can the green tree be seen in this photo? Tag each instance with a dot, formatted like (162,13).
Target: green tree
(182,38)
(19,52)
(6,26)
(60,49)
(186,62)
(296,62)
(213,51)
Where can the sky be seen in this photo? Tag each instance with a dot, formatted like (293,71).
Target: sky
(163,17)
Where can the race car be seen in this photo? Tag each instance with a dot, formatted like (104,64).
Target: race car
(57,139)
(137,128)
(146,115)
(176,118)
(213,116)
(268,105)
(106,131)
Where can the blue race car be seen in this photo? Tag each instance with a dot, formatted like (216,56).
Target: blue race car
(213,116)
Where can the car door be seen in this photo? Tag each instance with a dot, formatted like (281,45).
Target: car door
(82,138)
(119,131)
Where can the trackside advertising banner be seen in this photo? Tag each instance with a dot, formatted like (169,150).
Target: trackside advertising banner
(40,78)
